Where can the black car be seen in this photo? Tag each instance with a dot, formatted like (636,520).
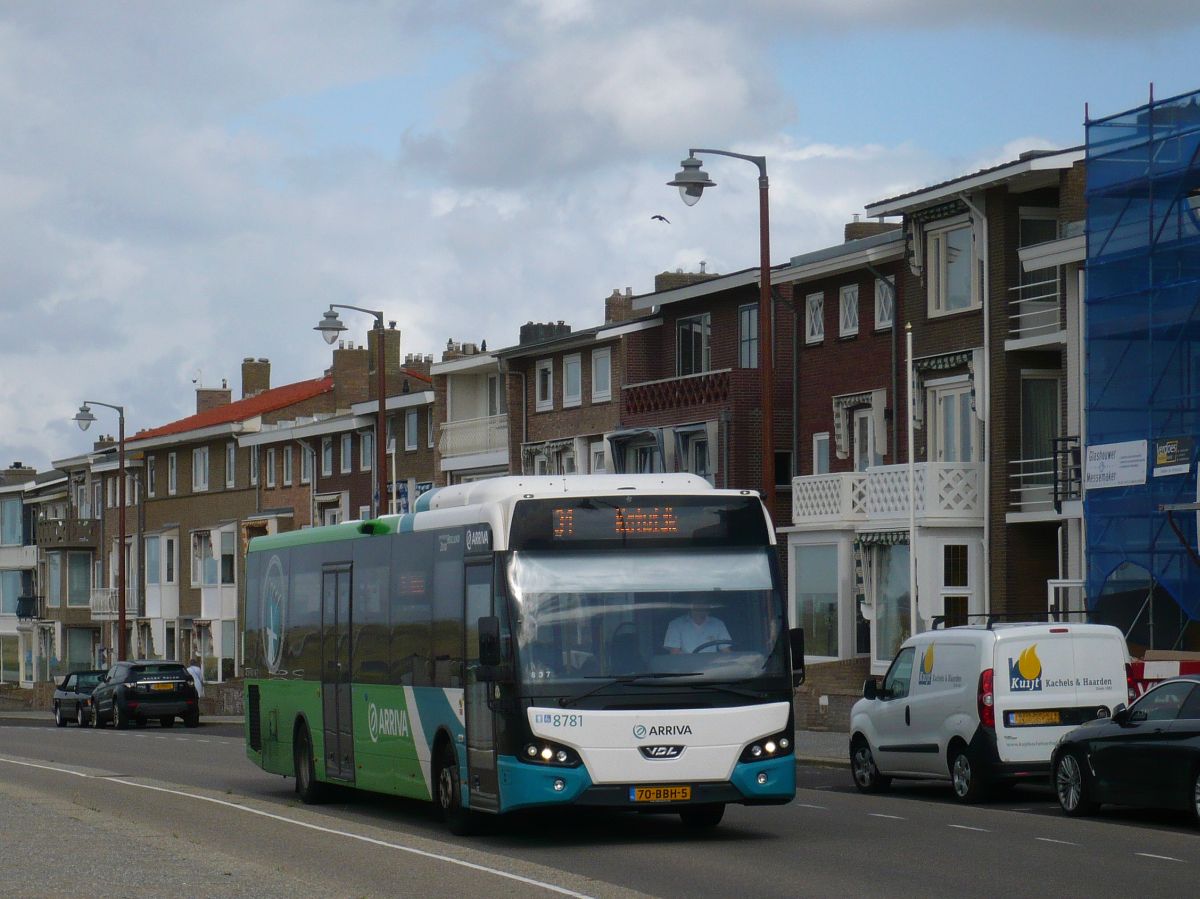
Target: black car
(144,689)
(1147,755)
(73,698)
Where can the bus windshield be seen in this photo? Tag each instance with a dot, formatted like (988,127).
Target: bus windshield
(706,614)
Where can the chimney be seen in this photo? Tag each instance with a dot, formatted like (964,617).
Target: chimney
(857,230)
(618,307)
(103,442)
(417,363)
(256,376)
(540,332)
(212,397)
(680,278)
(351,376)
(452,351)
(17,473)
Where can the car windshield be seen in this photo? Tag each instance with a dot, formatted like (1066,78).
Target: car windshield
(87,681)
(692,614)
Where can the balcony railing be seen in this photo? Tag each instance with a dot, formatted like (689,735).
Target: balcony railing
(1068,471)
(1045,483)
(67,531)
(706,388)
(1034,310)
(31,608)
(474,435)
(104,603)
(944,490)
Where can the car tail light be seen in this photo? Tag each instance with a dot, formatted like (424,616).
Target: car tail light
(987,699)
(131,706)
(1130,687)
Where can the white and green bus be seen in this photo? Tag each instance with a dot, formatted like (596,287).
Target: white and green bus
(603,640)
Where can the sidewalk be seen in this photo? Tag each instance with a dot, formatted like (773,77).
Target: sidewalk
(19,715)
(823,747)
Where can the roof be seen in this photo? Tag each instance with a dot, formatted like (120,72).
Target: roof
(240,410)
(853,254)
(1032,161)
(707,287)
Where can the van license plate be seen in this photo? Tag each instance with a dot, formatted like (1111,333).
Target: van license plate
(1046,716)
(660,794)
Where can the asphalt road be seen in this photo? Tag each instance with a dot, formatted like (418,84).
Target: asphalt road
(146,811)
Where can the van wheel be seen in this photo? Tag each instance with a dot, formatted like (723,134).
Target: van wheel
(308,788)
(1073,785)
(970,783)
(862,765)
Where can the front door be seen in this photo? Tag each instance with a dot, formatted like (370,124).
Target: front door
(481,731)
(335,673)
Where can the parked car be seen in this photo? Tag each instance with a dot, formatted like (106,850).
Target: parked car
(144,689)
(73,698)
(1147,755)
(981,705)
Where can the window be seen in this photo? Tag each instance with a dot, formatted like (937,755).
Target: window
(10,591)
(254,466)
(544,386)
(306,464)
(692,336)
(597,456)
(151,478)
(748,336)
(816,572)
(820,443)
(495,396)
(10,521)
(950,263)
(204,563)
(110,489)
(848,310)
(885,302)
(366,450)
(54,579)
(953,423)
(287,466)
(601,375)
(783,469)
(364,512)
(98,499)
(814,318)
(79,579)
(1040,413)
(410,429)
(153,560)
(347,453)
(228,568)
(572,380)
(230,464)
(863,436)
(172,474)
(326,456)
(956,581)
(271,467)
(200,469)
(169,559)
(429,426)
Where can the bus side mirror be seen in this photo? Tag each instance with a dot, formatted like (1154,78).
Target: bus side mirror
(489,641)
(796,638)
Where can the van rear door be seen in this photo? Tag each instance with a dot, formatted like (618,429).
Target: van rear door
(1035,693)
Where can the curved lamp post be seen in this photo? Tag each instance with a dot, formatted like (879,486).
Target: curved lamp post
(691,181)
(84,419)
(330,327)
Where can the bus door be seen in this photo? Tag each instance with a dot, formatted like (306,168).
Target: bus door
(335,672)
(481,730)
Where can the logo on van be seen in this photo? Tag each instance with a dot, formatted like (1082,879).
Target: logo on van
(925,675)
(1025,671)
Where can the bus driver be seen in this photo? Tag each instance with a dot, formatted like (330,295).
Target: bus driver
(694,629)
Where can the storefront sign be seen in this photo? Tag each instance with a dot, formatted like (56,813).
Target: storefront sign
(1172,455)
(1115,465)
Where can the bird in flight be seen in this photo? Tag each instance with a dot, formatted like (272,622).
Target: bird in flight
(660,218)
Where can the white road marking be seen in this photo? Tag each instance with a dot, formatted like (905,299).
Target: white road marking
(966,827)
(1059,842)
(1164,858)
(808,805)
(892,817)
(329,830)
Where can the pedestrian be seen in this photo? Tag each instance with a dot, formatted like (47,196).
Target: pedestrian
(197,674)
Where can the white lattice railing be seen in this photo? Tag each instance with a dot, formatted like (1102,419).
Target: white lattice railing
(105,605)
(474,435)
(943,490)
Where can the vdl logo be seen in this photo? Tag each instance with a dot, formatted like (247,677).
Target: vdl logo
(1025,671)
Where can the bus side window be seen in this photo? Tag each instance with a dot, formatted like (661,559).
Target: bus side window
(370,610)
(302,643)
(448,612)
(411,592)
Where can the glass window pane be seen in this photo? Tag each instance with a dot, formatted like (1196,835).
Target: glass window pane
(817,598)
(891,599)
(153,560)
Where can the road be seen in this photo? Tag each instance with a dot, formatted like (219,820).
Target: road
(153,810)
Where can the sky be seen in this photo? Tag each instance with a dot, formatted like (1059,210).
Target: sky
(184,185)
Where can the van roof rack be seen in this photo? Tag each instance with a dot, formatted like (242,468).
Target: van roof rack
(993,618)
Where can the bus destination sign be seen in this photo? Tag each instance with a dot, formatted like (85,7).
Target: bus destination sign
(631,521)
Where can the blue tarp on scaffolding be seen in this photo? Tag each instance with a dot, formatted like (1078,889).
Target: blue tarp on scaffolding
(1143,341)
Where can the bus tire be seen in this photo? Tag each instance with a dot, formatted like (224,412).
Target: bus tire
(310,790)
(448,786)
(702,817)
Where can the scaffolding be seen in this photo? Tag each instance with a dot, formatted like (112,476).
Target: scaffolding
(1143,363)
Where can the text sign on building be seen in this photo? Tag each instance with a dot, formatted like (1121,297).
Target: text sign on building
(1172,455)
(1115,465)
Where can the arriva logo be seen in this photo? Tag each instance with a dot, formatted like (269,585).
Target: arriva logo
(640,731)
(386,722)
(925,675)
(1025,671)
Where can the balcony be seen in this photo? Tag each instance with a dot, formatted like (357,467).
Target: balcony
(1033,315)
(705,389)
(104,603)
(471,436)
(31,608)
(67,531)
(946,493)
(1038,488)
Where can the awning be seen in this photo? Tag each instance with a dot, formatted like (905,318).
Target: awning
(882,538)
(618,440)
(943,361)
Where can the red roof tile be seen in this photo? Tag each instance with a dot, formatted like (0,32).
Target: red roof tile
(267,401)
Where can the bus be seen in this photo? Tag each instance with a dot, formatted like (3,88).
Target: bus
(521,642)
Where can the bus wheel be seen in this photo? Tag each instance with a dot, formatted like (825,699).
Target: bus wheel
(308,788)
(458,820)
(701,817)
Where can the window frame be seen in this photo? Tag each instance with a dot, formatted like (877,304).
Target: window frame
(346,453)
(151,476)
(254,466)
(936,270)
(543,399)
(814,318)
(936,444)
(748,335)
(848,310)
(688,322)
(200,466)
(287,466)
(306,464)
(885,301)
(572,400)
(172,474)
(230,465)
(601,395)
(818,438)
(270,464)
(366,450)
(412,426)
(327,456)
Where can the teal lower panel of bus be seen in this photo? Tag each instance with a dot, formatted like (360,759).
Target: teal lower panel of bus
(523,784)
(779,778)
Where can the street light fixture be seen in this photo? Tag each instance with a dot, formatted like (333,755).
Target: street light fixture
(691,181)
(330,326)
(84,419)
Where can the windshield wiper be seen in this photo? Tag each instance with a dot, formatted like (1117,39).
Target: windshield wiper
(626,680)
(728,688)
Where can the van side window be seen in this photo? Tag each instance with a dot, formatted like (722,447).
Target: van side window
(899,676)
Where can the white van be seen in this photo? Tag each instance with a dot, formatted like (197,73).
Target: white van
(978,705)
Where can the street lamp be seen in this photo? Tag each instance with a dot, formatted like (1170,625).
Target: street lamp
(330,327)
(691,181)
(84,419)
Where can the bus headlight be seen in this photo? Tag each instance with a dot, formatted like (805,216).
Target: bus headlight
(544,752)
(772,747)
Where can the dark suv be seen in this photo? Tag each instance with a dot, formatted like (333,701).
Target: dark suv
(139,690)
